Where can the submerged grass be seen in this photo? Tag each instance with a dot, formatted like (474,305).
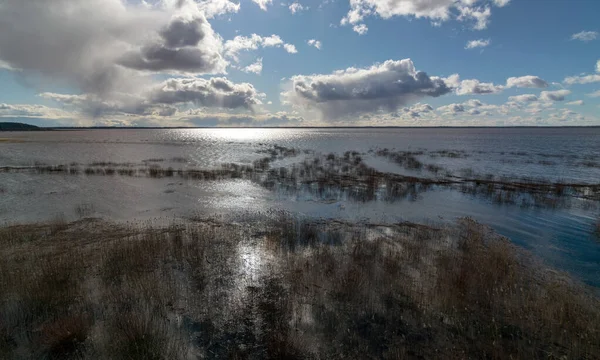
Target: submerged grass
(278,286)
(346,176)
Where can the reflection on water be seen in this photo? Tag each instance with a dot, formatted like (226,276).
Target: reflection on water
(563,237)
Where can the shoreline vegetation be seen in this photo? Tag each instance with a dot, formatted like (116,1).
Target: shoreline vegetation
(278,286)
(348,176)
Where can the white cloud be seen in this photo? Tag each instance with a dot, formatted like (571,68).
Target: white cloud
(576,103)
(477,43)
(263,3)
(501,3)
(523,98)
(598,66)
(32,111)
(212,8)
(166,98)
(528,81)
(473,87)
(297,7)
(233,47)
(451,109)
(595,94)
(315,43)
(290,48)
(381,87)
(585,36)
(255,67)
(437,11)
(361,29)
(558,95)
(585,79)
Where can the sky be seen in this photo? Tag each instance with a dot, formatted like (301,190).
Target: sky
(300,63)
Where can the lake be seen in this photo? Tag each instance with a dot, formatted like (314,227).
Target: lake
(563,236)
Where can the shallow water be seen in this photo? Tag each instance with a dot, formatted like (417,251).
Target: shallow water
(563,237)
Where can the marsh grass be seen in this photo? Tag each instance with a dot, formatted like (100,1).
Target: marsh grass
(312,289)
(333,176)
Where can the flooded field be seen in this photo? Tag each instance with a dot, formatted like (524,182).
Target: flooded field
(539,187)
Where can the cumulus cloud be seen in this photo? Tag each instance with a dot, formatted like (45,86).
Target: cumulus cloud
(477,44)
(437,11)
(501,3)
(558,95)
(585,79)
(315,43)
(263,3)
(212,8)
(253,42)
(186,45)
(523,98)
(528,81)
(585,36)
(100,46)
(451,109)
(598,66)
(214,92)
(473,86)
(576,103)
(255,67)
(290,48)
(296,7)
(381,87)
(166,98)
(361,29)
(595,94)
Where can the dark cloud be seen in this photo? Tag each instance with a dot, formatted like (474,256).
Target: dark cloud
(99,46)
(215,92)
(386,87)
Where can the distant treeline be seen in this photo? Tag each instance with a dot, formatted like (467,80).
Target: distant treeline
(12,126)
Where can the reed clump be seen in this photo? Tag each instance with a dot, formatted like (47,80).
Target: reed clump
(276,285)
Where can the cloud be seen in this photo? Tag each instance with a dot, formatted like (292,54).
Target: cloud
(595,94)
(585,79)
(585,36)
(100,46)
(528,81)
(225,120)
(475,87)
(381,87)
(558,95)
(32,111)
(576,103)
(186,45)
(212,8)
(233,47)
(297,7)
(501,3)
(598,66)
(361,29)
(263,3)
(437,11)
(214,92)
(166,98)
(477,43)
(523,98)
(290,48)
(255,67)
(451,109)
(315,43)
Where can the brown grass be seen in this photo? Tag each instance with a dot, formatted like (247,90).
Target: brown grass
(320,289)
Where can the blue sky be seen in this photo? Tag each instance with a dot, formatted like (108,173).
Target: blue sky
(250,63)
